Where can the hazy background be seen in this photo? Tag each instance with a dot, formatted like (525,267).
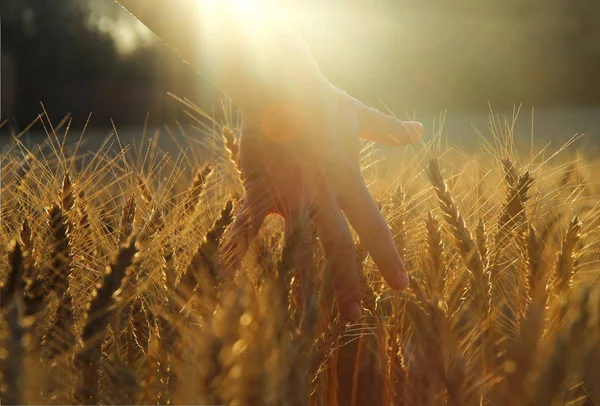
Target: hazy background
(418,57)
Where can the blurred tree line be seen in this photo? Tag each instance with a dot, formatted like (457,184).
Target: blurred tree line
(414,55)
(461,54)
(53,54)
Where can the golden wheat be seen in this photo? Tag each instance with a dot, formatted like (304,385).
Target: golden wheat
(117,287)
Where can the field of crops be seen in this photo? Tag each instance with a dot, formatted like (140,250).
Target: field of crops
(112,291)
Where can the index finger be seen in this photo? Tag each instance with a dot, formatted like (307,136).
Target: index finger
(374,233)
(376,126)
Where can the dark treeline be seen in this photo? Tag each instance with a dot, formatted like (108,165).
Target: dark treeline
(52,54)
(414,55)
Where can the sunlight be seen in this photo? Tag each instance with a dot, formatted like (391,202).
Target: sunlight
(248,7)
(246,13)
(225,23)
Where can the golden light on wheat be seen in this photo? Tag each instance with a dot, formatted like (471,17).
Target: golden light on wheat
(111,287)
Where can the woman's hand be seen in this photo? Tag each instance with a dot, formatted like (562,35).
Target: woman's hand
(299,159)
(299,146)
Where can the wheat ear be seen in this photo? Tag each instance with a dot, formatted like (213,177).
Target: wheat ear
(198,184)
(204,264)
(12,286)
(127,218)
(482,241)
(60,246)
(467,248)
(144,190)
(67,193)
(11,309)
(99,312)
(536,271)
(233,148)
(61,336)
(565,267)
(569,341)
(435,245)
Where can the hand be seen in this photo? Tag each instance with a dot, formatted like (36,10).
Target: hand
(299,146)
(299,159)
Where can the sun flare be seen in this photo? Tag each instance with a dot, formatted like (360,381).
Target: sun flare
(248,7)
(251,9)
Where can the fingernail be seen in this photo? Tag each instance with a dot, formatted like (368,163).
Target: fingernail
(352,312)
(402,280)
(406,280)
(415,129)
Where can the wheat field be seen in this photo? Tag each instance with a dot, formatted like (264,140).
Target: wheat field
(111,290)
